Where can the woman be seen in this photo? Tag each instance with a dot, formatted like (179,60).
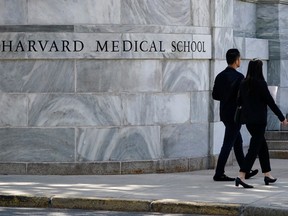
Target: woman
(254,97)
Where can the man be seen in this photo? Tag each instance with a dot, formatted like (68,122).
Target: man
(225,90)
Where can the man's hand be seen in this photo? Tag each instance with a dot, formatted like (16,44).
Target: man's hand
(285,122)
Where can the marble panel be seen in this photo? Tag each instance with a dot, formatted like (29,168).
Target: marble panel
(37,145)
(119,76)
(185,75)
(74,110)
(222,41)
(186,140)
(200,12)
(119,144)
(13,110)
(282,100)
(267,20)
(283,18)
(8,48)
(245,16)
(200,106)
(256,48)
(74,12)
(222,15)
(144,109)
(13,12)
(156,29)
(157,12)
(37,76)
(217,130)
(283,73)
(274,74)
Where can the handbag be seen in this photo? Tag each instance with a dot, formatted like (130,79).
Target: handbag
(237,115)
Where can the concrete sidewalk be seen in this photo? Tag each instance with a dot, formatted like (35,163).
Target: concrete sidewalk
(193,192)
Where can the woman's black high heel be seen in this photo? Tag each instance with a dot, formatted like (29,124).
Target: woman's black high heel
(239,181)
(268,180)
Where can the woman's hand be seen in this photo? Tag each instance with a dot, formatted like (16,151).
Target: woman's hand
(285,122)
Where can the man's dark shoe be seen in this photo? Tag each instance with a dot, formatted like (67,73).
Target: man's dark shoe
(251,174)
(223,178)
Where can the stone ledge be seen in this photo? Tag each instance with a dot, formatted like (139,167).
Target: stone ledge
(109,168)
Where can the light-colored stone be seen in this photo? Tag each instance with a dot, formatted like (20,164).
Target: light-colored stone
(74,12)
(74,110)
(119,76)
(119,144)
(185,75)
(155,109)
(200,12)
(13,12)
(186,140)
(200,106)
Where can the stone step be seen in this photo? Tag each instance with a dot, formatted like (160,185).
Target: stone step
(278,154)
(277,144)
(276,135)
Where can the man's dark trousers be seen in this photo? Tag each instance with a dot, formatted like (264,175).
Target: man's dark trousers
(232,138)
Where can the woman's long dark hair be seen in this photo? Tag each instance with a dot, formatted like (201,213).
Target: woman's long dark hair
(254,73)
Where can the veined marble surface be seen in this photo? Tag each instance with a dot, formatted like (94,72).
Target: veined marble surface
(37,76)
(185,75)
(159,12)
(37,145)
(74,12)
(223,40)
(74,110)
(13,12)
(13,110)
(155,109)
(222,13)
(186,140)
(200,106)
(200,12)
(119,144)
(245,18)
(119,76)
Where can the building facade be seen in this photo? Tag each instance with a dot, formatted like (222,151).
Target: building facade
(124,86)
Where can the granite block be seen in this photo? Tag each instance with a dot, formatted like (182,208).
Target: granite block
(37,145)
(119,144)
(13,12)
(172,165)
(138,167)
(185,75)
(37,76)
(185,140)
(12,168)
(74,110)
(198,163)
(108,168)
(144,109)
(74,12)
(13,110)
(158,12)
(119,76)
(200,12)
(200,106)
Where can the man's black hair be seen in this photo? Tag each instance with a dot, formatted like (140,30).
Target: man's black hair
(232,55)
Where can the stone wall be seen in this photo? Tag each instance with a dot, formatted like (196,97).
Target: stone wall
(66,111)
